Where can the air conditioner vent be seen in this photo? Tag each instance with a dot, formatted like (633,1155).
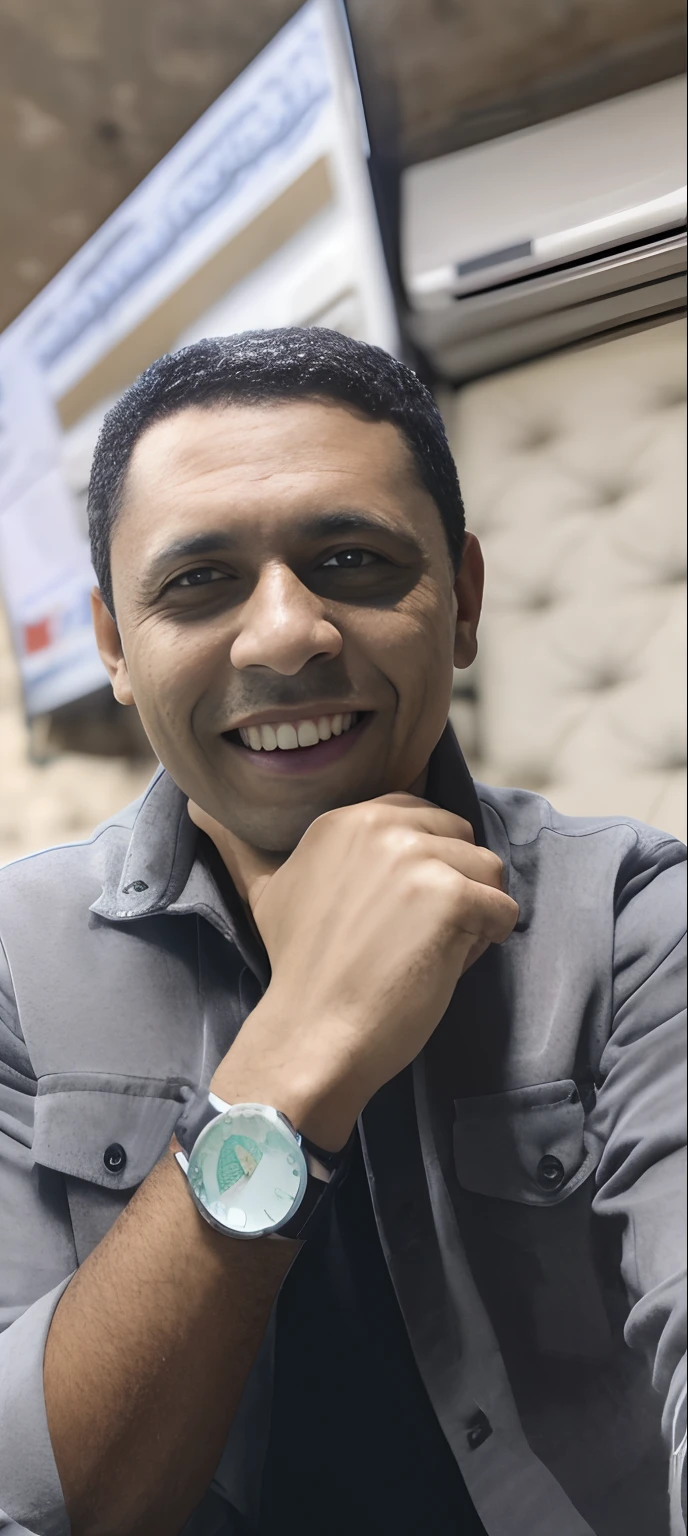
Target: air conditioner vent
(548,236)
(494,259)
(673,239)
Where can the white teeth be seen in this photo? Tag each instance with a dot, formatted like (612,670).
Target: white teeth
(307,733)
(287,738)
(303,733)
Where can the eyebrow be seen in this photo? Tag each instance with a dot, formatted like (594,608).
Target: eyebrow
(211,543)
(323,525)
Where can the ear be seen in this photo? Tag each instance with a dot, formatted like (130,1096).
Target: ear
(110,649)
(468,589)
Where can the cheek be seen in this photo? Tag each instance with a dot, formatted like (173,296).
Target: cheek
(168,676)
(413,645)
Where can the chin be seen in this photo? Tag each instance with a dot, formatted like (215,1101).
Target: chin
(278,828)
(273,832)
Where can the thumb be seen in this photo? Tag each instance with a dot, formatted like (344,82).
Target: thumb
(256,885)
(258,870)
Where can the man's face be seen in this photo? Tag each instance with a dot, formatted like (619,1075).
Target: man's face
(281,575)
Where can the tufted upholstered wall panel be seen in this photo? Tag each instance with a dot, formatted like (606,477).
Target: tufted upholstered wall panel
(573,472)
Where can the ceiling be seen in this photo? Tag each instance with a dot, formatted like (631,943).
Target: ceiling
(94,92)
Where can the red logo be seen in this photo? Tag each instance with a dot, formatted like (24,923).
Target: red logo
(37,636)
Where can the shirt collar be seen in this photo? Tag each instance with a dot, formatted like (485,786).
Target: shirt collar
(159,858)
(450,785)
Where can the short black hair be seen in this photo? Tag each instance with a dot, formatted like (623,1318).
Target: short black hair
(253,368)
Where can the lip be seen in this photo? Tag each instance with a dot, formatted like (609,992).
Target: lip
(302,759)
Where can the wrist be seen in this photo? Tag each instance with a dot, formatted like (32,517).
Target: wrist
(305,1088)
(324,1120)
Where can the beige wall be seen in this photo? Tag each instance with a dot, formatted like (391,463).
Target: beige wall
(59,801)
(573,470)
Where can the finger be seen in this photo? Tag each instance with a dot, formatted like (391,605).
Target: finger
(427,817)
(257,873)
(486,913)
(479,909)
(255,889)
(478,864)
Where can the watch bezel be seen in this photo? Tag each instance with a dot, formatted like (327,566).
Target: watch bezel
(230,1114)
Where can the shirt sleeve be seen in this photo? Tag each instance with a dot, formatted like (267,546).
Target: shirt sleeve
(640,1120)
(37,1260)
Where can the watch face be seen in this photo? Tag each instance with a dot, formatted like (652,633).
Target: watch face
(248,1170)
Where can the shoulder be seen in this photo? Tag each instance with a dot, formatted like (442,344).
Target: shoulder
(68,872)
(525,816)
(611,853)
(44,902)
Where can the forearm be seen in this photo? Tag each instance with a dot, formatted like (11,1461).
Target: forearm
(153,1340)
(147,1357)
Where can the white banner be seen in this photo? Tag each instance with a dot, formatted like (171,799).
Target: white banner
(45,569)
(295,107)
(251,143)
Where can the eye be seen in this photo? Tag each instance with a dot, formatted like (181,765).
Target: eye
(350,560)
(198,578)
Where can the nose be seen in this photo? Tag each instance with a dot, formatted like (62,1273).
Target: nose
(283,626)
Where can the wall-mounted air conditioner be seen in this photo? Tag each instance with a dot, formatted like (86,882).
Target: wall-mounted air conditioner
(548,236)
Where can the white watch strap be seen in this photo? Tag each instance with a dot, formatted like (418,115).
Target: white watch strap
(218,1104)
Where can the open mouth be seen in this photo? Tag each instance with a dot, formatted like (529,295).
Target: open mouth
(311,742)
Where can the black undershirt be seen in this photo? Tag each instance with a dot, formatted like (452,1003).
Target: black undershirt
(354,1444)
(355,1448)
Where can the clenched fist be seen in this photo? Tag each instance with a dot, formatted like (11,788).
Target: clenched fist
(368,926)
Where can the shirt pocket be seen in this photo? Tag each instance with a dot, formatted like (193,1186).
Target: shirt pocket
(523,1162)
(104,1133)
(528,1144)
(107,1129)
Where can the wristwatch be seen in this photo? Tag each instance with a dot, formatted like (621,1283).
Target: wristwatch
(252,1175)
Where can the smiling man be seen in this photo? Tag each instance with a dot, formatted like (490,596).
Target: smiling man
(340,1099)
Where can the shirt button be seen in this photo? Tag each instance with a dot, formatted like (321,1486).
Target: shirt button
(550,1172)
(479,1430)
(115,1158)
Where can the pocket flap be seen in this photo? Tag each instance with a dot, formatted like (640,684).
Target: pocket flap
(528,1144)
(80,1118)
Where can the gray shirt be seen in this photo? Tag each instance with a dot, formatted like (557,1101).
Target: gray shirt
(529,1205)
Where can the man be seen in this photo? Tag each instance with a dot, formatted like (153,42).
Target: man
(447,1017)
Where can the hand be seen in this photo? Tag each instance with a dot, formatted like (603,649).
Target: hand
(368,926)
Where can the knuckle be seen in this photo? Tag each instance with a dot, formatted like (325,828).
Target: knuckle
(369,815)
(404,842)
(369,820)
(428,877)
(320,828)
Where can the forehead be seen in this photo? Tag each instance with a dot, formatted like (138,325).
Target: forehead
(274,458)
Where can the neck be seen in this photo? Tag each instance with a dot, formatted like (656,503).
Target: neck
(250,868)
